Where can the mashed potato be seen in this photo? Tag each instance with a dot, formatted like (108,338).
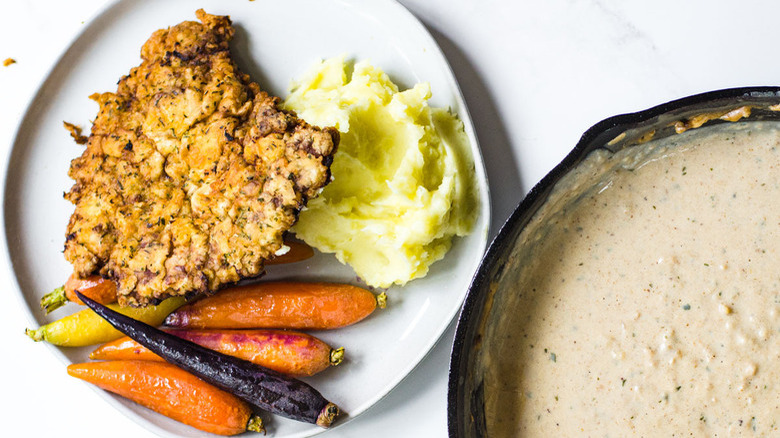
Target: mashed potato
(403,177)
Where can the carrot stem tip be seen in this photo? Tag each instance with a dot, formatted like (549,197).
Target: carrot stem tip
(35,335)
(381,300)
(54,299)
(336,356)
(255,424)
(328,415)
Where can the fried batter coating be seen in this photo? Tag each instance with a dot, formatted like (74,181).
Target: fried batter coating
(191,174)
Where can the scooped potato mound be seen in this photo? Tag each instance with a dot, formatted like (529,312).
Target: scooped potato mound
(403,176)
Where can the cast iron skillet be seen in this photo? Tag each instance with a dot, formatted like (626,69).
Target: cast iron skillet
(465,407)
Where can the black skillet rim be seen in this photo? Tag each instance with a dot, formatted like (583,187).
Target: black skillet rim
(597,136)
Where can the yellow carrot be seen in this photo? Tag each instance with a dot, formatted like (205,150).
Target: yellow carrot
(87,328)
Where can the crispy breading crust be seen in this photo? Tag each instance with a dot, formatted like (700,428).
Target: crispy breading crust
(191,174)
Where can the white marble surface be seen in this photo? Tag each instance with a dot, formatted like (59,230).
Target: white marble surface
(535,76)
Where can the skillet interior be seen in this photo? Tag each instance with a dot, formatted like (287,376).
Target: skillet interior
(491,285)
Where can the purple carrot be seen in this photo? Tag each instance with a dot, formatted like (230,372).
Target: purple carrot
(259,386)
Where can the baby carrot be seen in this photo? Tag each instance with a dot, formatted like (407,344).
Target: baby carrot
(103,290)
(173,392)
(87,328)
(96,287)
(288,352)
(292,305)
(258,386)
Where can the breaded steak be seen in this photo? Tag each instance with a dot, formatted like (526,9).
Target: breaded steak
(191,174)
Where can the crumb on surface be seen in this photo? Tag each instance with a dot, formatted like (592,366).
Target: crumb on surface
(75,132)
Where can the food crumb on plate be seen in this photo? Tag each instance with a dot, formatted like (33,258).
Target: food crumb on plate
(75,132)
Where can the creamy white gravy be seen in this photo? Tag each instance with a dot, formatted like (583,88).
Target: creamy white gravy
(650,304)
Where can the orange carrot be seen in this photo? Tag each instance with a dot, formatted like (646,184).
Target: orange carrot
(288,352)
(293,305)
(104,291)
(173,392)
(94,286)
(299,251)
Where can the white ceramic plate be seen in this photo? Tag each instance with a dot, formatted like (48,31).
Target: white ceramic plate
(275,42)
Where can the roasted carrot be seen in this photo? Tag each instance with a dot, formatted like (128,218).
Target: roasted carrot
(96,287)
(173,392)
(103,290)
(258,386)
(87,328)
(288,352)
(292,305)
